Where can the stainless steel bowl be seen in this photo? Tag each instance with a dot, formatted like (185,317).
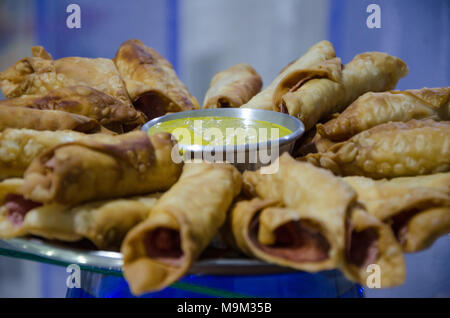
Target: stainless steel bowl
(244,157)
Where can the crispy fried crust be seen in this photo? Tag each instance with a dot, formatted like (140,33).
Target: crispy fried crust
(151,81)
(193,210)
(104,223)
(18,147)
(22,117)
(322,95)
(391,150)
(417,208)
(299,187)
(81,100)
(112,166)
(370,242)
(40,74)
(233,87)
(372,109)
(318,53)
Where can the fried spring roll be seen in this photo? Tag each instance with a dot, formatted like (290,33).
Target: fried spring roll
(104,223)
(160,250)
(282,236)
(371,242)
(391,150)
(233,87)
(151,81)
(22,117)
(40,74)
(318,53)
(30,75)
(416,208)
(18,147)
(372,109)
(318,97)
(113,166)
(81,100)
(424,228)
(307,229)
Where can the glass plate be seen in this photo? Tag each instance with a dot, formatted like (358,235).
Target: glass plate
(213,261)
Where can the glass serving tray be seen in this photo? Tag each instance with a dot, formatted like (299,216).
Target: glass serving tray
(214,261)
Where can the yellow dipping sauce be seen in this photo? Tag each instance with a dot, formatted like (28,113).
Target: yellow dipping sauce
(220,131)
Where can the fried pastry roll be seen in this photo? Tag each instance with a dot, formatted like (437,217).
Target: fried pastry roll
(315,98)
(391,150)
(151,81)
(370,242)
(372,109)
(416,208)
(318,53)
(306,227)
(233,87)
(160,250)
(40,74)
(107,167)
(104,223)
(22,117)
(18,147)
(81,100)
(424,228)
(30,75)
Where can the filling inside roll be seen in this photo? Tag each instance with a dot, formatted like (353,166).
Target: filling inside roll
(164,245)
(17,208)
(298,241)
(282,105)
(223,102)
(362,246)
(152,104)
(399,224)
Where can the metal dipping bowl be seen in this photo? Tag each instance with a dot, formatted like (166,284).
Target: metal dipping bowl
(243,157)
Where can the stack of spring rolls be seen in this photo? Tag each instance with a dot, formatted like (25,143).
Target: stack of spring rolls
(91,95)
(372,183)
(306,218)
(73,163)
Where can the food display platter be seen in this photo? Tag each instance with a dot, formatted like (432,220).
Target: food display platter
(110,263)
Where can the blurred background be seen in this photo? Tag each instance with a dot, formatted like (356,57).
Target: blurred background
(202,37)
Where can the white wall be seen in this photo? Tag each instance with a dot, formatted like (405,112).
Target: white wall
(267,34)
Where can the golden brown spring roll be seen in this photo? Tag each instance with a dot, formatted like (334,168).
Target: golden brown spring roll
(318,53)
(18,147)
(372,109)
(415,207)
(317,98)
(23,117)
(40,74)
(109,167)
(391,150)
(370,242)
(308,231)
(282,235)
(104,223)
(183,222)
(30,75)
(233,87)
(151,81)
(81,100)
(424,228)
